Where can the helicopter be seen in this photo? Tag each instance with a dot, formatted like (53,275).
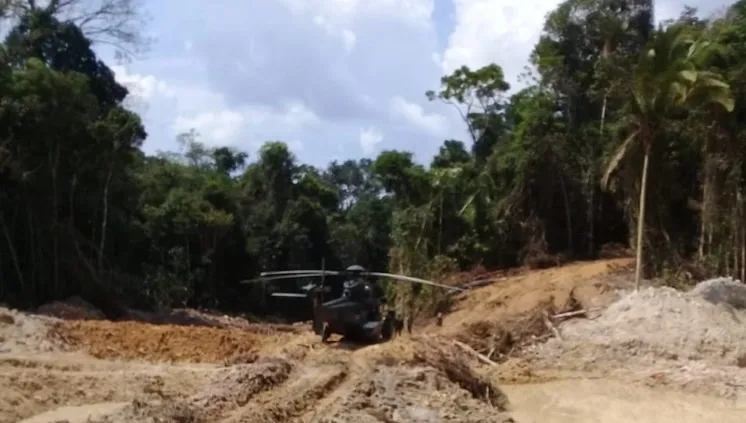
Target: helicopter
(356,313)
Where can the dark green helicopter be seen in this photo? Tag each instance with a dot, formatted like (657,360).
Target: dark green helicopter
(356,314)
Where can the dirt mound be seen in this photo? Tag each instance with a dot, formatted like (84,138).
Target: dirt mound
(722,291)
(667,336)
(413,394)
(413,380)
(498,320)
(133,340)
(73,308)
(23,333)
(418,379)
(191,317)
(662,323)
(236,386)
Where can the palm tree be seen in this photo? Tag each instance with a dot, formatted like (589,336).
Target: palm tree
(668,76)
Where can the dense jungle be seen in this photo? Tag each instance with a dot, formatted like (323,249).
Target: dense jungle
(622,119)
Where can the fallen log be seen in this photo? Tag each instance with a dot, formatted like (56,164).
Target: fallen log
(481,357)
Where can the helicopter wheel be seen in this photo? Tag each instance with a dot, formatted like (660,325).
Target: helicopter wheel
(318,326)
(325,332)
(387,331)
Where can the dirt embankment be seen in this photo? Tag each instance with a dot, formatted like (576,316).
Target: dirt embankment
(501,319)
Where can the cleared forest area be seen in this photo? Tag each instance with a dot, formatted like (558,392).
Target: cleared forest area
(597,201)
(658,355)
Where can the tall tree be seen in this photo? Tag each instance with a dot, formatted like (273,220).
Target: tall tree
(667,77)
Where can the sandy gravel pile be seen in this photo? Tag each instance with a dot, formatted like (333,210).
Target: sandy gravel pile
(722,291)
(23,333)
(679,336)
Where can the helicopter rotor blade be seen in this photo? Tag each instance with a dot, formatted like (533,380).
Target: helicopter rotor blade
(288,295)
(296,272)
(272,278)
(479,283)
(412,279)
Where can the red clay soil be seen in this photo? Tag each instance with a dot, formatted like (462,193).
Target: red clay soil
(499,318)
(135,340)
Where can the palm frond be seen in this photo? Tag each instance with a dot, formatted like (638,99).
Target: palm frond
(619,156)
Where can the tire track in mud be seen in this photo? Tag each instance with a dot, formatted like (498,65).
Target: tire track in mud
(316,389)
(240,385)
(329,406)
(303,390)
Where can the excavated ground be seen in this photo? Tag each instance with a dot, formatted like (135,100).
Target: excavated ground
(100,371)
(497,357)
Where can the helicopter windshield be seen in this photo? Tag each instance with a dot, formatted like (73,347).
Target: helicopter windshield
(355,288)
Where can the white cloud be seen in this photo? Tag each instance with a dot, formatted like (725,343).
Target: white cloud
(369,139)
(412,12)
(415,114)
(336,66)
(333,69)
(144,87)
(219,127)
(489,31)
(225,126)
(348,37)
(505,31)
(207,112)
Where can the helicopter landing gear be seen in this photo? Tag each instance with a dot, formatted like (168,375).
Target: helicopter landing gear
(318,326)
(388,327)
(325,332)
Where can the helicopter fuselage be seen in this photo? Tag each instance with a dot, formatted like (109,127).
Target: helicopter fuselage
(356,314)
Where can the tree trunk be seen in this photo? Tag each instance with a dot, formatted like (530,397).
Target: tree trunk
(440,223)
(104,222)
(641,218)
(591,222)
(743,250)
(568,218)
(55,215)
(13,254)
(707,188)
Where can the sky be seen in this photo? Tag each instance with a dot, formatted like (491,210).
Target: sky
(334,79)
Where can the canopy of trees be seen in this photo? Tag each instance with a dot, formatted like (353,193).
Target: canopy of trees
(624,120)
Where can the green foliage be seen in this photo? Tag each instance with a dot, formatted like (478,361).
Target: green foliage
(554,168)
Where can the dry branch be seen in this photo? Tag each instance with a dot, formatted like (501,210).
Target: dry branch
(481,357)
(574,313)
(550,325)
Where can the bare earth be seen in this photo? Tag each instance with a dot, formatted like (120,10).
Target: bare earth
(227,370)
(606,401)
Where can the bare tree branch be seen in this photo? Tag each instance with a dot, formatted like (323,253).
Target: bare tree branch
(117,23)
